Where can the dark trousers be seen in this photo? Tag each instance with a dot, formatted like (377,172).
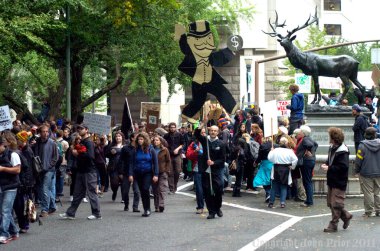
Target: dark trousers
(213,201)
(144,181)
(23,194)
(294,124)
(239,179)
(126,185)
(199,95)
(174,174)
(307,176)
(102,173)
(73,179)
(85,183)
(115,183)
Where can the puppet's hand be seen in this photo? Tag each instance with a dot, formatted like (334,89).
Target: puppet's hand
(179,30)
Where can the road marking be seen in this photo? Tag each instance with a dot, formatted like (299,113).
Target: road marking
(270,234)
(322,215)
(244,207)
(184,186)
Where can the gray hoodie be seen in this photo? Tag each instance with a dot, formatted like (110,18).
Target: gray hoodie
(367,161)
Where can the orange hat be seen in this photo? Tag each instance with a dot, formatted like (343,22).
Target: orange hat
(23,136)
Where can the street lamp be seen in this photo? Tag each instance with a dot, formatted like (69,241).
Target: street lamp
(248,63)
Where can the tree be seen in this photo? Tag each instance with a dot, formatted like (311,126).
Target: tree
(129,39)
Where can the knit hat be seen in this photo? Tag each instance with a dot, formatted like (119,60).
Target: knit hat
(357,108)
(222,122)
(23,136)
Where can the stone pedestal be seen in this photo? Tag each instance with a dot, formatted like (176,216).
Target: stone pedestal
(319,119)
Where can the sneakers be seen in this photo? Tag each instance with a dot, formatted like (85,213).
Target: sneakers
(93,217)
(126,208)
(369,214)
(66,216)
(161,209)
(330,230)
(305,205)
(199,211)
(136,210)
(146,213)
(270,205)
(282,205)
(267,199)
(85,200)
(5,240)
(44,214)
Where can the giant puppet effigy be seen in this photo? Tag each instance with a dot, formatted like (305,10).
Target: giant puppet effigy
(315,65)
(198,46)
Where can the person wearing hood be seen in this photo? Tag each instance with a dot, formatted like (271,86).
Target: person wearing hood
(337,165)
(360,125)
(368,170)
(296,108)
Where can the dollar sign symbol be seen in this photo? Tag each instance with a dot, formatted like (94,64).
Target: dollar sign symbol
(235,42)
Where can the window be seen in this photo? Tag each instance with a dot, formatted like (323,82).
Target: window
(333,29)
(332,5)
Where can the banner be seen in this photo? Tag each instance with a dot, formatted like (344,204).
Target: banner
(126,122)
(304,82)
(100,124)
(281,108)
(5,118)
(152,120)
(149,106)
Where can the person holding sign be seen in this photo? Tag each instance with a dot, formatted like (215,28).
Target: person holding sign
(296,108)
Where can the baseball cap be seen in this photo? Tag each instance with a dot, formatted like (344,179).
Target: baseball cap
(357,108)
(82,126)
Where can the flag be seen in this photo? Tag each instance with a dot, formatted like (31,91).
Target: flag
(126,122)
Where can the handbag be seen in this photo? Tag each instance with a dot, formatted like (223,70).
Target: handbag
(37,164)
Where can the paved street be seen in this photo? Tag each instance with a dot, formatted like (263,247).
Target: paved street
(247,225)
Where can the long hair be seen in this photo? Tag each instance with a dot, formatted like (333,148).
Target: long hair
(122,138)
(164,143)
(11,139)
(146,144)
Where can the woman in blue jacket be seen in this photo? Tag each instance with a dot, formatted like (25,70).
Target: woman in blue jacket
(144,169)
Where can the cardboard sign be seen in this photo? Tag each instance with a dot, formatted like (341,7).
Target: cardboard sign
(270,118)
(149,106)
(100,124)
(152,120)
(304,82)
(5,118)
(281,108)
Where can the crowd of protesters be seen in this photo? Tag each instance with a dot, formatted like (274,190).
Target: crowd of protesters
(35,162)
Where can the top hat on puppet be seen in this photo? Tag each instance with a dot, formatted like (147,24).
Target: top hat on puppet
(199,28)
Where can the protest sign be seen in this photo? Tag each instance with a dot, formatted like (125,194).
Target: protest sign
(5,118)
(100,124)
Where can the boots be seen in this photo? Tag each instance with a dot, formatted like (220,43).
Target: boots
(331,228)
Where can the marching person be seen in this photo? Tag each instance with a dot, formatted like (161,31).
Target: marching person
(143,169)
(212,160)
(161,187)
(337,166)
(368,169)
(86,177)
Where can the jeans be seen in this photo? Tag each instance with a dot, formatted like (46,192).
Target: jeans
(307,175)
(277,187)
(144,181)
(7,224)
(198,190)
(48,191)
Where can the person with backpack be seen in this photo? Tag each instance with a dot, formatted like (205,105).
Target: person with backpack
(27,180)
(144,169)
(10,167)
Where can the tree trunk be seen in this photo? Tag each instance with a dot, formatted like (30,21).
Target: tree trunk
(56,96)
(76,91)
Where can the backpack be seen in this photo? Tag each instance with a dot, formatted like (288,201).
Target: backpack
(60,148)
(254,149)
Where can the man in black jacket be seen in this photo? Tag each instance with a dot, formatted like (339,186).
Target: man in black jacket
(360,125)
(86,179)
(337,166)
(213,164)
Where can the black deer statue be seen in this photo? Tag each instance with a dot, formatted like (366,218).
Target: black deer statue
(315,65)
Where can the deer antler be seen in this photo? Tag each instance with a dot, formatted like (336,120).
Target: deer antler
(306,24)
(274,27)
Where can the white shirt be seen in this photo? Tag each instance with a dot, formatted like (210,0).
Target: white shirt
(282,155)
(15,159)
